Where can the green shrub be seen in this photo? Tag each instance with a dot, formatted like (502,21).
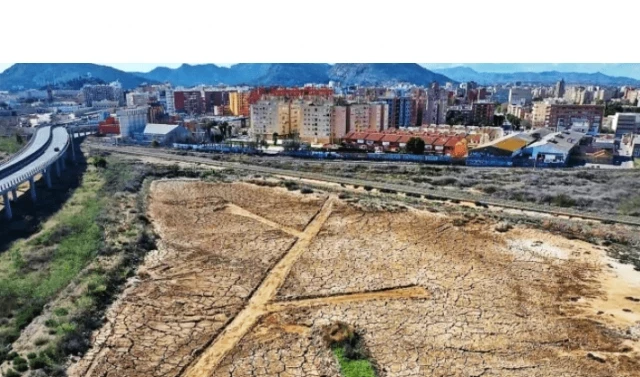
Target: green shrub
(61,312)
(21,367)
(42,340)
(12,373)
(31,355)
(38,363)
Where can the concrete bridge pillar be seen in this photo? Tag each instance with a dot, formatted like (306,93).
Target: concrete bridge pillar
(32,189)
(14,194)
(47,176)
(63,163)
(7,206)
(58,170)
(73,151)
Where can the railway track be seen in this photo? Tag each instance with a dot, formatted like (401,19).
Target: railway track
(383,187)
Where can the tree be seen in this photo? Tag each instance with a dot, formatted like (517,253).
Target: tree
(19,139)
(275,138)
(223,129)
(155,143)
(415,145)
(208,128)
(227,129)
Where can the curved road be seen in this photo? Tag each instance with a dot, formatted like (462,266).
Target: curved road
(58,140)
(36,144)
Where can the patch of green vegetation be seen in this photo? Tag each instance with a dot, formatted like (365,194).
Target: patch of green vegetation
(630,206)
(10,144)
(353,368)
(33,272)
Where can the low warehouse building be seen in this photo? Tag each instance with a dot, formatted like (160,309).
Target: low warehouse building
(555,147)
(165,133)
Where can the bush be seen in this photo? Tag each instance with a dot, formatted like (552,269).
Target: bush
(42,341)
(61,312)
(38,363)
(32,355)
(12,373)
(449,181)
(306,190)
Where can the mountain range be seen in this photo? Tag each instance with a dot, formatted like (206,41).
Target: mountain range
(25,76)
(548,77)
(38,75)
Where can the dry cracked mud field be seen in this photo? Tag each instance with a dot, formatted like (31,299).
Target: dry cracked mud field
(246,276)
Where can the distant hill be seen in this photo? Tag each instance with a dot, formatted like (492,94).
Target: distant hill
(245,73)
(550,77)
(37,75)
(295,74)
(27,76)
(384,73)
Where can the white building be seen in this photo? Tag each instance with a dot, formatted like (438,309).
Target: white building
(165,133)
(626,123)
(132,121)
(520,96)
(137,99)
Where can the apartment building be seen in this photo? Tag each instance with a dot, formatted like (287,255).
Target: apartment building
(561,116)
(188,101)
(626,123)
(239,103)
(358,117)
(110,92)
(339,122)
(378,116)
(518,111)
(264,118)
(135,99)
(316,125)
(539,114)
(520,96)
(559,90)
(482,113)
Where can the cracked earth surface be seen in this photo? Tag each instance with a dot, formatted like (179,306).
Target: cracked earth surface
(240,289)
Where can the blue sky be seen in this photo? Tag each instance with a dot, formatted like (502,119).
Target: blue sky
(626,69)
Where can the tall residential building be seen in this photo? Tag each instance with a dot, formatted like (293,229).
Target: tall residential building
(520,96)
(239,103)
(560,89)
(518,111)
(132,121)
(358,117)
(400,110)
(289,117)
(264,118)
(378,116)
(626,123)
(562,116)
(339,122)
(166,98)
(110,92)
(539,114)
(316,122)
(435,111)
(482,113)
(188,101)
